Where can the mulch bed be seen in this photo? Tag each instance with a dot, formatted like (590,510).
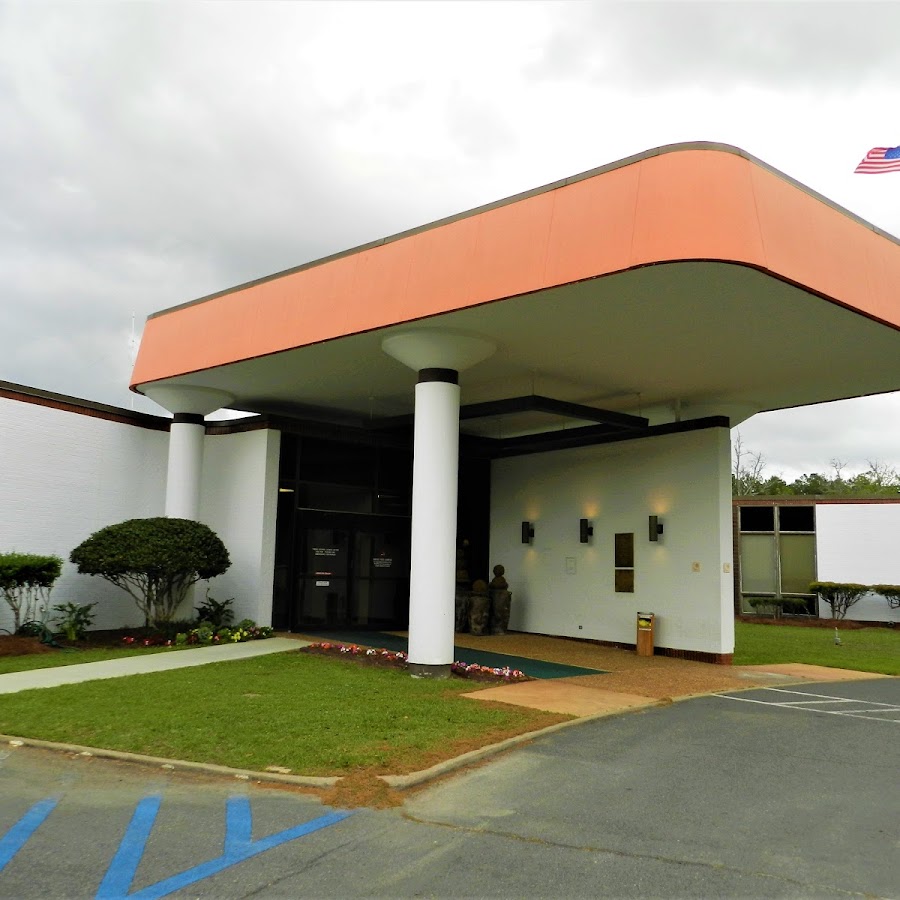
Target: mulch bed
(20,645)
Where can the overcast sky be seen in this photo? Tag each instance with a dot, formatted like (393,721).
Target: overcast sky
(151,153)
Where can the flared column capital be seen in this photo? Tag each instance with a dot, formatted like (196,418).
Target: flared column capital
(178,398)
(431,348)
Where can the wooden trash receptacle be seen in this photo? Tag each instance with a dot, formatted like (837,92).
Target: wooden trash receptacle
(645,624)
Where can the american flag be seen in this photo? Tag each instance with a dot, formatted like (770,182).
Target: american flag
(880,159)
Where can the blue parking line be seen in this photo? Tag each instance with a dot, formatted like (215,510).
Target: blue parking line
(238,846)
(124,864)
(17,836)
(238,826)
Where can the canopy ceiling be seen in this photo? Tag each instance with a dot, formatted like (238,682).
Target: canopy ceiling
(686,282)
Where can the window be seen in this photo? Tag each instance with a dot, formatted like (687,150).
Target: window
(757,518)
(796,518)
(624,560)
(777,553)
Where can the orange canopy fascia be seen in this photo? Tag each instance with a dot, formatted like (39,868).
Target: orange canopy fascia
(684,202)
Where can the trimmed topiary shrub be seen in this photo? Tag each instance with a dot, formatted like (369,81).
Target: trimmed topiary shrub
(26,580)
(154,560)
(840,596)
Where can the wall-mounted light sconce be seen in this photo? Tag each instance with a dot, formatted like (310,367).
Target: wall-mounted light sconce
(656,528)
(527,532)
(585,530)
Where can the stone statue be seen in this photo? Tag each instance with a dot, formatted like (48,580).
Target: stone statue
(479,608)
(499,583)
(501,601)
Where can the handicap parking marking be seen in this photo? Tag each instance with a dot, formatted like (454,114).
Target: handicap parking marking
(117,881)
(17,836)
(817,703)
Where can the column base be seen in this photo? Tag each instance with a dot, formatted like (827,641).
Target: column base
(424,670)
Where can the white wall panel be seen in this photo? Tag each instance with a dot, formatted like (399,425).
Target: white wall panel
(563,587)
(238,501)
(858,542)
(63,476)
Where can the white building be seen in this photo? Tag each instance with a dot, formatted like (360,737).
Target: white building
(547,382)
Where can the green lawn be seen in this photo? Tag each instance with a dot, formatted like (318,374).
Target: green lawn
(323,716)
(311,714)
(866,649)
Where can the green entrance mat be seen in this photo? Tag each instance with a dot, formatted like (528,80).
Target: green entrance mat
(536,668)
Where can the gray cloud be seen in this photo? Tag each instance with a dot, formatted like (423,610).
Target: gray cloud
(662,45)
(143,162)
(151,153)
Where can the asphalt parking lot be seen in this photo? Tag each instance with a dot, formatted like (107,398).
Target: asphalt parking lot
(764,793)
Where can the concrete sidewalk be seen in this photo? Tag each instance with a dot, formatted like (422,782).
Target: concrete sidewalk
(572,697)
(13,682)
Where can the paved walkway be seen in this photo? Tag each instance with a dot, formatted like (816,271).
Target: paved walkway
(13,682)
(564,696)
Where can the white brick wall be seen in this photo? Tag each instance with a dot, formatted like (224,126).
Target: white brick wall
(64,475)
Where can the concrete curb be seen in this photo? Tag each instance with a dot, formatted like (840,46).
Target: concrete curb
(399,782)
(414,779)
(176,764)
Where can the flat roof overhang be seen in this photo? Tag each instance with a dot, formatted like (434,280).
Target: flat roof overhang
(689,281)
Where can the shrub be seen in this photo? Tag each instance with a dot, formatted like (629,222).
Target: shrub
(215,612)
(838,595)
(170,630)
(26,580)
(73,620)
(154,560)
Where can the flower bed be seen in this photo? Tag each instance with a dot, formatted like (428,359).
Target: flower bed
(398,660)
(205,636)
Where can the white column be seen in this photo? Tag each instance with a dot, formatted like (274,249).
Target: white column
(432,588)
(189,405)
(438,357)
(185,465)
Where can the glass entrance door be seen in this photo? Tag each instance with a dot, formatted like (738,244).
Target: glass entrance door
(323,580)
(354,572)
(381,583)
